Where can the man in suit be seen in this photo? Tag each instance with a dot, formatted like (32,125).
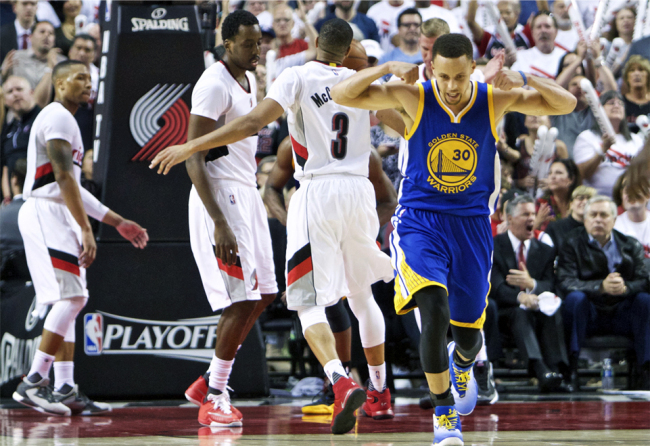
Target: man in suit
(15,36)
(603,276)
(516,284)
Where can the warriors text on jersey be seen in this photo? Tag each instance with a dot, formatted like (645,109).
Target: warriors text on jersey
(451,165)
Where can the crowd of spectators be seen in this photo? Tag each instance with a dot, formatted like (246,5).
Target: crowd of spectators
(563,202)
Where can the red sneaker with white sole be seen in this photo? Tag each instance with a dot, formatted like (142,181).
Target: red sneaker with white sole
(216,411)
(378,406)
(348,397)
(197,391)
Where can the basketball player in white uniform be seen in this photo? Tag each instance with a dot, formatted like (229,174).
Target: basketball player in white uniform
(229,231)
(59,242)
(332,222)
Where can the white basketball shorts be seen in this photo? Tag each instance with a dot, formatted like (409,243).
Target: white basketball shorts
(52,241)
(254,272)
(332,226)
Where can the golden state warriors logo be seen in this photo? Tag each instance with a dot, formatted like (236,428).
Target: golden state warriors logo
(452,162)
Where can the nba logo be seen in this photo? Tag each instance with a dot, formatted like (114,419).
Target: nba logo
(232,199)
(93,337)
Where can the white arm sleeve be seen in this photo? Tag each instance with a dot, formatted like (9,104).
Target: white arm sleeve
(286,89)
(209,97)
(94,208)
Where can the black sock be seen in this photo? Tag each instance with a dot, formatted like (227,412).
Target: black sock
(346,366)
(460,362)
(443,399)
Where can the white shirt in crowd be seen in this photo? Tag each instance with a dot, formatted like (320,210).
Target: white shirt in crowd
(437,12)
(640,230)
(385,17)
(535,62)
(618,158)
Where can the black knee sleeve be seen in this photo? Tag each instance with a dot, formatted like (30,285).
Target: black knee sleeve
(468,341)
(338,317)
(434,311)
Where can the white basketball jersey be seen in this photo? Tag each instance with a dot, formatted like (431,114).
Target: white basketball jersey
(53,122)
(327,138)
(218,96)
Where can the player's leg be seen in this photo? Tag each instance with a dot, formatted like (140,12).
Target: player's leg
(372,331)
(348,395)
(339,321)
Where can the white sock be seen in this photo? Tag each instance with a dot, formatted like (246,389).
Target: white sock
(63,374)
(41,364)
(482,354)
(219,373)
(335,366)
(378,376)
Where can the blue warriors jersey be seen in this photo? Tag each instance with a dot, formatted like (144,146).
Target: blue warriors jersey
(451,164)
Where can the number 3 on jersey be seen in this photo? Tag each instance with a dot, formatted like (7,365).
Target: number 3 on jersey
(339,145)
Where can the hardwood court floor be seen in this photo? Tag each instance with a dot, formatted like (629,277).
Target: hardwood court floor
(554,423)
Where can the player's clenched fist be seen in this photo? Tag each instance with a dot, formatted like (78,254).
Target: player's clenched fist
(408,72)
(507,80)
(169,157)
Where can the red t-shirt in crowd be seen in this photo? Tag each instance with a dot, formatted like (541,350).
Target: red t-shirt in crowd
(295,47)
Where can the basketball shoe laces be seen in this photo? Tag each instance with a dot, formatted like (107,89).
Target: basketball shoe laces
(221,401)
(449,422)
(462,379)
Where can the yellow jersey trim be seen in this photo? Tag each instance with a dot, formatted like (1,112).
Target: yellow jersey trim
(493,123)
(408,134)
(401,301)
(456,119)
(480,321)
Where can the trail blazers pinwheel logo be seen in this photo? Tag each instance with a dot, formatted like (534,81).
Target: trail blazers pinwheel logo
(159,119)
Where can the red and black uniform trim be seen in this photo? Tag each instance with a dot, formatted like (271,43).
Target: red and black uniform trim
(235,270)
(64,261)
(300,264)
(301,152)
(44,176)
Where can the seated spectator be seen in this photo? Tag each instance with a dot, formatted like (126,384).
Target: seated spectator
(32,64)
(580,119)
(15,36)
(385,14)
(578,64)
(563,178)
(258,9)
(408,24)
(290,52)
(430,11)
(602,275)
(559,229)
(543,59)
(636,78)
(344,9)
(516,284)
(635,221)
(19,98)
(601,159)
(11,242)
(487,40)
(67,11)
(526,146)
(567,36)
(622,26)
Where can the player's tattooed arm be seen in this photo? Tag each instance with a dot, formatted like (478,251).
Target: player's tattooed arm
(278,178)
(60,154)
(385,193)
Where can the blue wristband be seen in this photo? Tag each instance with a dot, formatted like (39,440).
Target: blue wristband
(524,77)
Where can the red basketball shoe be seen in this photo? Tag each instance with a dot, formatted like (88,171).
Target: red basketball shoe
(378,406)
(197,391)
(216,410)
(348,397)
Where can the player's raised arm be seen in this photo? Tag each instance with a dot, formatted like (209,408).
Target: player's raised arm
(358,91)
(546,97)
(266,112)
